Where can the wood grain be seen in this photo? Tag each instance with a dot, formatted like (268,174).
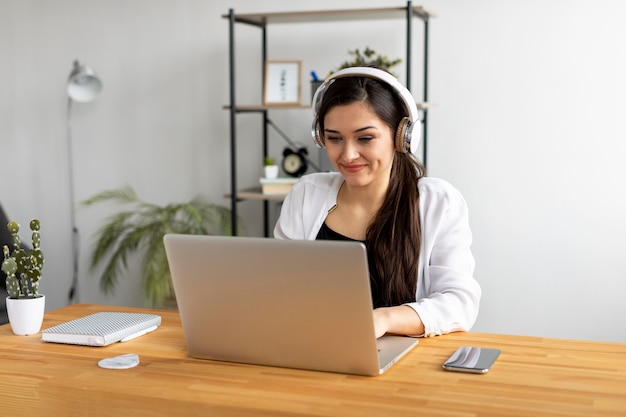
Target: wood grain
(533,377)
(331,15)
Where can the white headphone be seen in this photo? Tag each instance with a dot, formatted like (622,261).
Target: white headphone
(408,133)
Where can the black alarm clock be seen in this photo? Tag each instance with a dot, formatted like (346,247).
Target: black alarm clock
(294,162)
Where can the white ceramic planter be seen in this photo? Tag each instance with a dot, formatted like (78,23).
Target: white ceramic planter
(271,171)
(26,314)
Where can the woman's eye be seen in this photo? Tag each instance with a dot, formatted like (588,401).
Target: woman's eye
(333,139)
(366,138)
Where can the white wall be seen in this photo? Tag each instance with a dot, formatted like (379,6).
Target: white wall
(528,126)
(528,98)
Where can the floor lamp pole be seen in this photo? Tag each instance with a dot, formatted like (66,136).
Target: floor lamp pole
(75,237)
(83,86)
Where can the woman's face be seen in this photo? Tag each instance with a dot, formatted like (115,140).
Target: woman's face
(359,144)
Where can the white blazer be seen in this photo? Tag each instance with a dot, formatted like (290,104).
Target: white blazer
(447,296)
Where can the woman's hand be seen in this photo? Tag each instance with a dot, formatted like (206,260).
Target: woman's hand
(397,320)
(380,322)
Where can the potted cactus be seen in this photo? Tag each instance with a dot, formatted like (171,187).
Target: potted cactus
(25,305)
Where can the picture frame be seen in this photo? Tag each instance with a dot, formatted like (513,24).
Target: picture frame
(283,83)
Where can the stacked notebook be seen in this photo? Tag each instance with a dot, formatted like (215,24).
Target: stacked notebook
(277,185)
(102,329)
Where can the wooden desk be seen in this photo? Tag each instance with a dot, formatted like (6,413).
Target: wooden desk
(533,377)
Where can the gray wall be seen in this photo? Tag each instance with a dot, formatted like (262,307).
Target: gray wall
(527,124)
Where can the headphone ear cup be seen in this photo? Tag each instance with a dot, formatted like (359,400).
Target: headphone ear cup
(318,139)
(403,135)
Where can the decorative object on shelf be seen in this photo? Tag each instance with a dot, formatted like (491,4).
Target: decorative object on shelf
(315,83)
(140,230)
(295,162)
(294,145)
(270,168)
(369,57)
(83,86)
(277,186)
(282,83)
(25,306)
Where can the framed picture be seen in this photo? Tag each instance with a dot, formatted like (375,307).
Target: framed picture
(282,83)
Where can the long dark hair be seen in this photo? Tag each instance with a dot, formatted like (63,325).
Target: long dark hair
(394,237)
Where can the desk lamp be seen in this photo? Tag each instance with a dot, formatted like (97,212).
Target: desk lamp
(83,86)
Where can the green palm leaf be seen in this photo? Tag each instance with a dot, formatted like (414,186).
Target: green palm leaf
(140,230)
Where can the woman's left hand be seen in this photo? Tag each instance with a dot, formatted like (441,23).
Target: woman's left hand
(380,322)
(398,320)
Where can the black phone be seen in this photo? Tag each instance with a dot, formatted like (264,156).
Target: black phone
(471,359)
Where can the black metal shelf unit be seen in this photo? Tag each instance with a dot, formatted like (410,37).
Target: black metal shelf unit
(261,21)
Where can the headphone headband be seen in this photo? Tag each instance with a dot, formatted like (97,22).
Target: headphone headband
(377,74)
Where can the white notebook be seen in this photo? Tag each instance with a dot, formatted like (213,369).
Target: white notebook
(102,329)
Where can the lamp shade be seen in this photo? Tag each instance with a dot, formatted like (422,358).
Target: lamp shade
(83,84)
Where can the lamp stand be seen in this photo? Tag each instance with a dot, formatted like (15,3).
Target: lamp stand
(73,294)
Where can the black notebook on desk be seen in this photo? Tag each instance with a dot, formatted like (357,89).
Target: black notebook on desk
(102,329)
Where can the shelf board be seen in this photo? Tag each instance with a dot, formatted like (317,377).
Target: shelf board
(255,108)
(255,193)
(317,16)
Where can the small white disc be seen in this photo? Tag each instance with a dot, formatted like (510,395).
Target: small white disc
(129,360)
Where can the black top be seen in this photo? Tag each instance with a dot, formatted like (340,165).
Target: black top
(326,233)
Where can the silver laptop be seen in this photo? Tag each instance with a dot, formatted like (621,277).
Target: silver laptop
(287,303)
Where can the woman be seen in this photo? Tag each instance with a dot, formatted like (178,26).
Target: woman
(415,228)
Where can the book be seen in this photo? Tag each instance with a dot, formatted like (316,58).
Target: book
(102,329)
(280,185)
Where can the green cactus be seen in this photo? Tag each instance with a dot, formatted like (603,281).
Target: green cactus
(23,267)
(9,267)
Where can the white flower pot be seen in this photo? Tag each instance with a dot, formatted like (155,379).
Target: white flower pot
(26,314)
(271,171)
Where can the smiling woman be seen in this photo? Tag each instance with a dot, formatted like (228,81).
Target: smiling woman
(415,229)
(358,144)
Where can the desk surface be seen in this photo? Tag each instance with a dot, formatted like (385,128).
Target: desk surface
(533,377)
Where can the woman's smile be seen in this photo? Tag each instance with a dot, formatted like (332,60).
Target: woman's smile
(353,168)
(359,144)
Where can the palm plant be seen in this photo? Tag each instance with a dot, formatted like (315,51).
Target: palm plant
(141,229)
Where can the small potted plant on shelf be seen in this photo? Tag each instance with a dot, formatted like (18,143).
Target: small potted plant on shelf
(25,306)
(369,57)
(140,230)
(270,167)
